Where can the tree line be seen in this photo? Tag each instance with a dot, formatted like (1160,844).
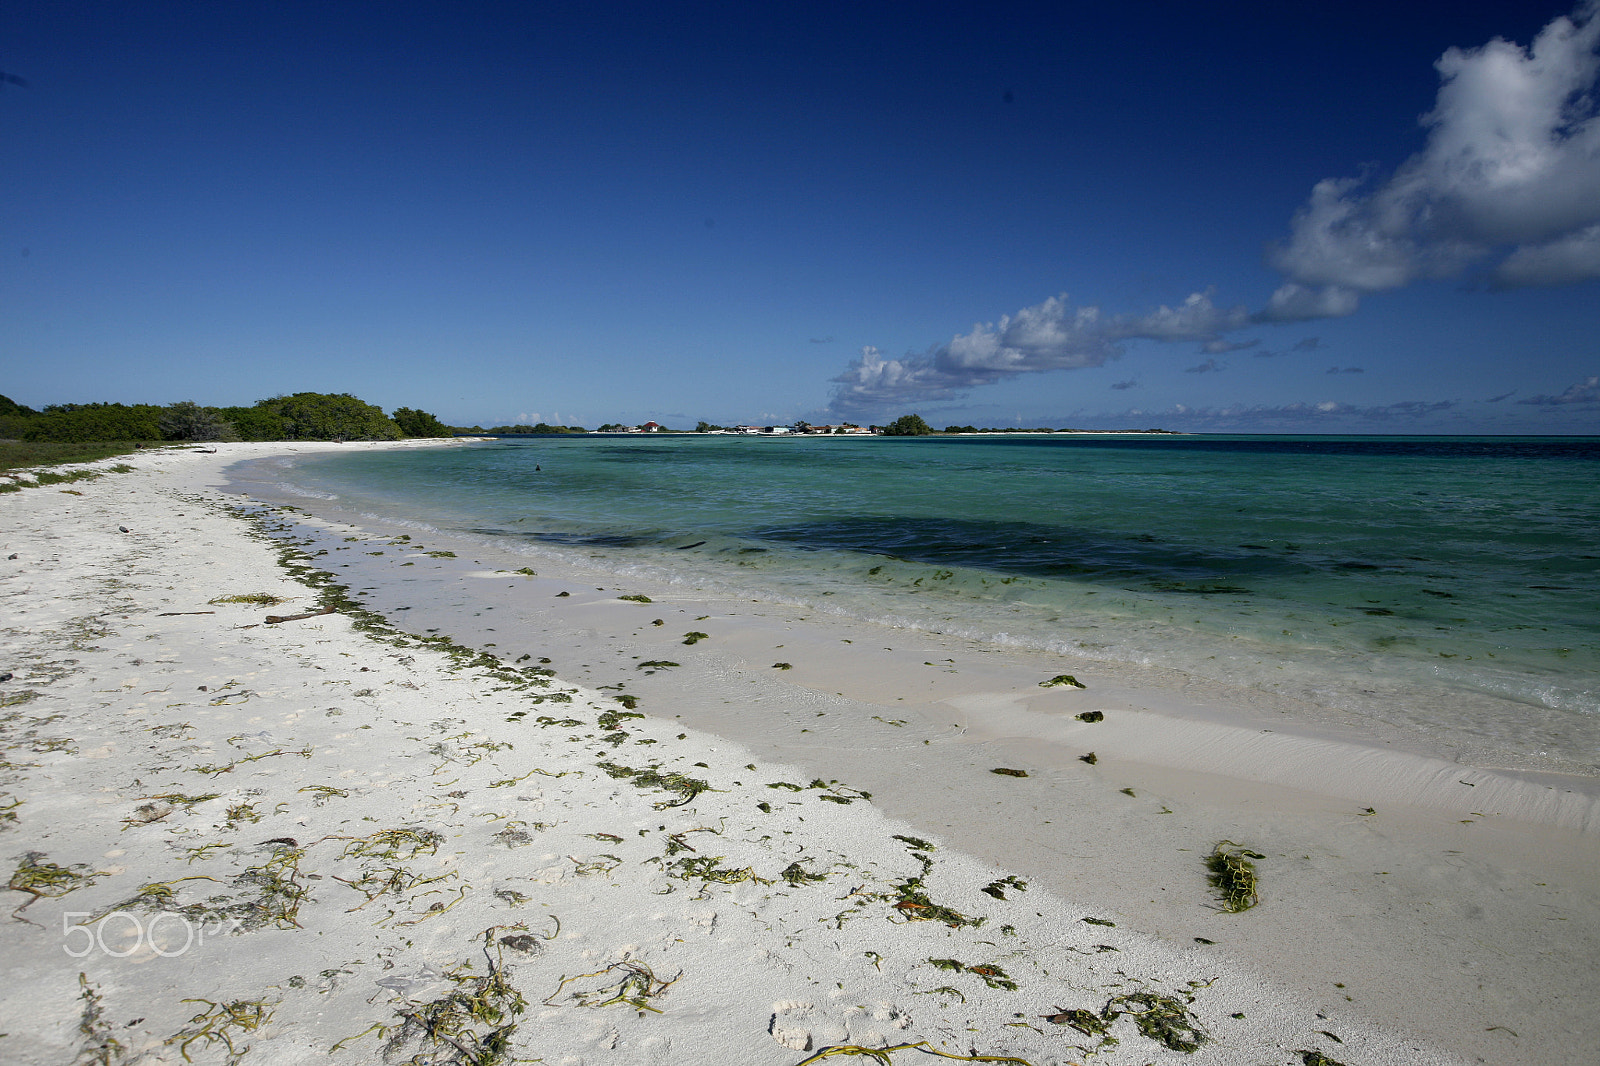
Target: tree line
(301,416)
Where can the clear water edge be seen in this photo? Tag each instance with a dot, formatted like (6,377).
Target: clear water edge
(1453,595)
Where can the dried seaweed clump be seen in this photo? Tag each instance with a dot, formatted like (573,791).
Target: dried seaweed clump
(636,986)
(45,879)
(1233,876)
(219,1023)
(1164,1019)
(687,788)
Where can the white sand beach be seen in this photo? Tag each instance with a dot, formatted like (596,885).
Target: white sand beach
(414,830)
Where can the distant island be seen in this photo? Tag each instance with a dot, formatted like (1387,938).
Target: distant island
(344,417)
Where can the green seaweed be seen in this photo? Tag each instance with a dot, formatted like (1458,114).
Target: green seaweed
(636,986)
(694,637)
(636,598)
(686,788)
(41,880)
(1160,1018)
(997,889)
(1233,876)
(1063,679)
(471,1025)
(1006,771)
(220,1022)
(1091,716)
(798,875)
(258,599)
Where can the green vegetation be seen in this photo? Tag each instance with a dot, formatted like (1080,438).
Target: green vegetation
(17,454)
(117,427)
(537,427)
(415,423)
(907,426)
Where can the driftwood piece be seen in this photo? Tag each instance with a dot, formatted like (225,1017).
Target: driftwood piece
(271,618)
(174,614)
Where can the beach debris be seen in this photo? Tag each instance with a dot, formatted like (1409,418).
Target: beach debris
(1160,1018)
(475,1020)
(992,975)
(1091,716)
(695,636)
(686,788)
(798,875)
(220,1022)
(636,598)
(997,889)
(45,879)
(1315,1058)
(636,985)
(441,555)
(1128,792)
(1086,1022)
(256,599)
(783,666)
(914,905)
(1100,921)
(1091,758)
(1233,876)
(881,1054)
(1008,772)
(686,547)
(99,1046)
(656,664)
(124,529)
(274,619)
(1063,679)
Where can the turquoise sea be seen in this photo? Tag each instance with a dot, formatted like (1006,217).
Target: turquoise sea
(1447,585)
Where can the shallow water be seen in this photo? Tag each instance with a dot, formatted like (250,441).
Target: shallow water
(1448,585)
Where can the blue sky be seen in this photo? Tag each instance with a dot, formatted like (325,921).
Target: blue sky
(1362,217)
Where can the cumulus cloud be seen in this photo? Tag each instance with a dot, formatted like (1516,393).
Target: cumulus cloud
(1053,335)
(1510,171)
(1585,391)
(1207,367)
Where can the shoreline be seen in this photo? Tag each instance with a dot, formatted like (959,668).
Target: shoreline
(1360,950)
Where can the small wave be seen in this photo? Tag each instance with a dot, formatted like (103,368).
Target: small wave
(309,494)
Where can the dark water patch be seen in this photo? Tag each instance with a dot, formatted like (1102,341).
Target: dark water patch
(574,540)
(1037,551)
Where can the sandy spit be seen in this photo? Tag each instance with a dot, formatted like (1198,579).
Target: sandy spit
(229,839)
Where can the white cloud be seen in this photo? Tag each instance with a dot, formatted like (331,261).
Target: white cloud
(1571,258)
(1297,303)
(1053,335)
(1512,164)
